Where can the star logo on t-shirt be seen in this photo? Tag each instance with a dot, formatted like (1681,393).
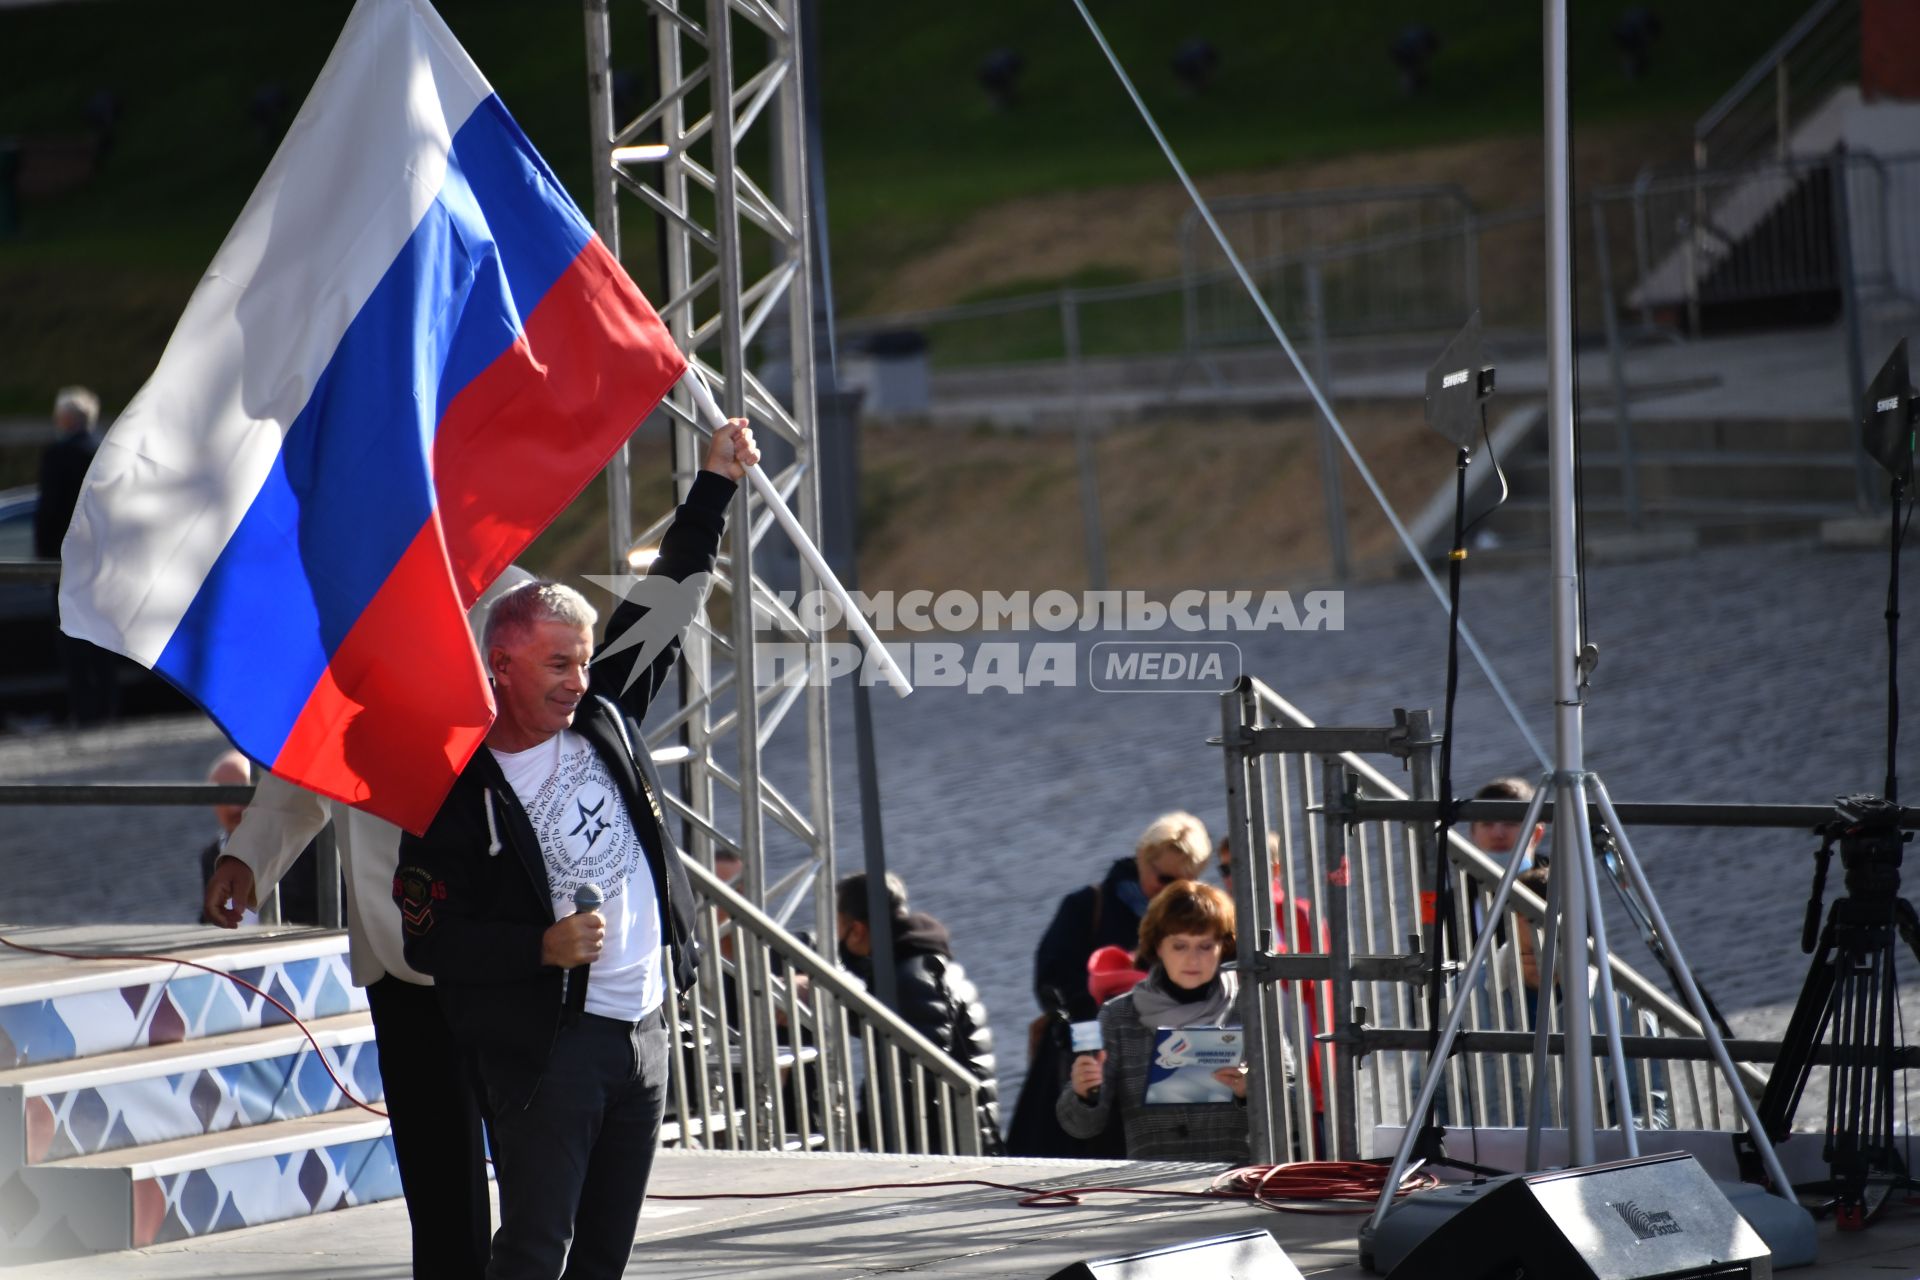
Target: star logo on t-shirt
(591,823)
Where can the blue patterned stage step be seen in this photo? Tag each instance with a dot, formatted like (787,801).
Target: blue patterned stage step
(215,1182)
(143,1102)
(160,1093)
(54,1010)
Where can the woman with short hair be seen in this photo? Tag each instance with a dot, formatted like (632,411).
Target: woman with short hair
(1186,934)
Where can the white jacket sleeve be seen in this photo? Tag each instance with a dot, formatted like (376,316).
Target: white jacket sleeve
(276,828)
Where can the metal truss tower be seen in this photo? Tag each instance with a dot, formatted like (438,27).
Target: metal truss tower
(724,89)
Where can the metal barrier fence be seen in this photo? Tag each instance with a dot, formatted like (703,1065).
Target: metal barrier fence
(1333,264)
(1788,243)
(1792,243)
(1672,251)
(1339,263)
(1359,946)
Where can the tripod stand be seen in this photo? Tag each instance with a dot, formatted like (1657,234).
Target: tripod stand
(1849,999)
(1574,918)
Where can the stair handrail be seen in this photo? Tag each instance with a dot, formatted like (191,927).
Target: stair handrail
(1770,69)
(922,1066)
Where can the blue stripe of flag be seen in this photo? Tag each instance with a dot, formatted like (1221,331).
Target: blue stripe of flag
(352,487)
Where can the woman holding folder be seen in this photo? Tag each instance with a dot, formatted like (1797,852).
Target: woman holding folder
(1169,1061)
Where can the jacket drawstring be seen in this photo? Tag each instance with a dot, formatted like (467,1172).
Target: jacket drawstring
(493,831)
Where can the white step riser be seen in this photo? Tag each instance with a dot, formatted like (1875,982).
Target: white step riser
(90,1119)
(81,1211)
(81,1018)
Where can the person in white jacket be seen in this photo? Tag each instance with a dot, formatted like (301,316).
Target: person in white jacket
(431,1094)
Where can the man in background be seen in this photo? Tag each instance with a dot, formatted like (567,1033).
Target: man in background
(92,695)
(937,999)
(299,887)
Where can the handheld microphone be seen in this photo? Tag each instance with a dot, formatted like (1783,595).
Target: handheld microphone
(574,993)
(1086,1041)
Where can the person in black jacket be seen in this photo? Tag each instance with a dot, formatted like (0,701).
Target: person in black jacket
(563,1010)
(937,999)
(93,696)
(1173,847)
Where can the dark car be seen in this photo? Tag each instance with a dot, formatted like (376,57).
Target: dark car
(33,686)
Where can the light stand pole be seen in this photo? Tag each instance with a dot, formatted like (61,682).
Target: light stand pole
(1574,921)
(1571,866)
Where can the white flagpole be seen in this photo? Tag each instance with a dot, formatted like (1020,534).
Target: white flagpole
(708,409)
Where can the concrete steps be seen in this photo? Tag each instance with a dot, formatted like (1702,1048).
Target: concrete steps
(1697,483)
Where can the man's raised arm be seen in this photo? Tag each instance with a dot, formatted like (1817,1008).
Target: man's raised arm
(690,547)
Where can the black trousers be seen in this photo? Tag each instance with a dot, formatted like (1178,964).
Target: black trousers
(434,1101)
(573,1163)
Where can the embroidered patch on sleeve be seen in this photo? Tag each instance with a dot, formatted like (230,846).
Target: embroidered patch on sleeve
(416,891)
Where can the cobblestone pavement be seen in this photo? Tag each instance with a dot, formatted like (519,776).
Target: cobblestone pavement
(1748,674)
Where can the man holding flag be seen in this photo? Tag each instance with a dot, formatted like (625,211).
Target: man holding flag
(563,1008)
(408,356)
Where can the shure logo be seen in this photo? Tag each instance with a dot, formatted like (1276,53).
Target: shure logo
(1888,405)
(1644,1225)
(1454,379)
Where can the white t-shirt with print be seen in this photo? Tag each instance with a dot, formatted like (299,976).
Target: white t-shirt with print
(587,837)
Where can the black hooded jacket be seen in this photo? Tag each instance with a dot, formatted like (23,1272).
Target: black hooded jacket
(938,1000)
(474,920)
(1102,915)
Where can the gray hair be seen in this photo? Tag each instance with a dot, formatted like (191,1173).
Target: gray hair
(77,402)
(531,602)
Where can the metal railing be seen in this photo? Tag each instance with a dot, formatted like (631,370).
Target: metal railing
(1342,263)
(1333,263)
(771,1063)
(1779,231)
(1363,884)
(1757,116)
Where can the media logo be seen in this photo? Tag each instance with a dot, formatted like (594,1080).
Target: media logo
(1156,666)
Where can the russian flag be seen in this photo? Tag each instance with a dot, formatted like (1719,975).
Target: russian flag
(409,355)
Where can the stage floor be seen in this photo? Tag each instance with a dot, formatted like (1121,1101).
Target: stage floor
(936,1232)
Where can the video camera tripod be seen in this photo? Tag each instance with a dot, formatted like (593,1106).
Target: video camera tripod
(1849,1000)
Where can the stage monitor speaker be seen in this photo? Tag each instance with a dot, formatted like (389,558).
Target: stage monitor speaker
(1657,1216)
(1247,1255)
